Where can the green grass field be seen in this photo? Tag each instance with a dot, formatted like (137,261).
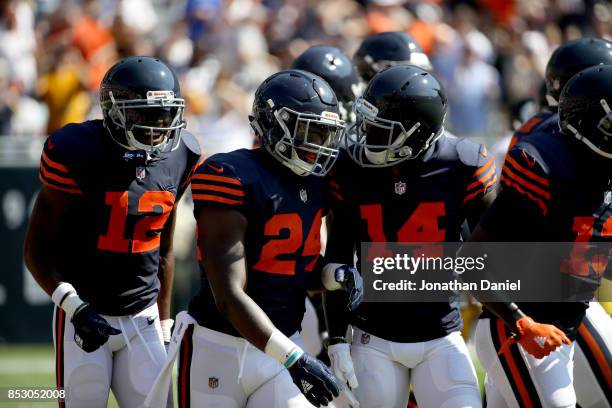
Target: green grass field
(32,366)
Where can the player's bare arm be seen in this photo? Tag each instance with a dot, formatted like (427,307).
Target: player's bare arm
(51,208)
(339,250)
(220,237)
(474,212)
(41,256)
(166,276)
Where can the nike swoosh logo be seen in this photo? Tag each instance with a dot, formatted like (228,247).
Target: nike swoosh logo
(433,173)
(150,320)
(217,169)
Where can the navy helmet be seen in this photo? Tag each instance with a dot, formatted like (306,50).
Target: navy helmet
(585,109)
(142,105)
(400,115)
(383,50)
(297,119)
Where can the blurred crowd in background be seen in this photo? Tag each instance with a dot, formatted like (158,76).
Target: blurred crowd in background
(490,54)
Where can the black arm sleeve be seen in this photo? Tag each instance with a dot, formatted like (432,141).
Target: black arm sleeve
(340,249)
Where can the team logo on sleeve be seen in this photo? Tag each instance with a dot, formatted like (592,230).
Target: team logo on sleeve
(213,382)
(400,188)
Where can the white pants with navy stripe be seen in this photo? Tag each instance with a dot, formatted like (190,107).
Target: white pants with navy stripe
(440,370)
(592,359)
(516,379)
(217,370)
(128,363)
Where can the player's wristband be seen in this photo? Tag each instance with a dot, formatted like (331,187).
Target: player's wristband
(65,296)
(166,328)
(282,349)
(328,276)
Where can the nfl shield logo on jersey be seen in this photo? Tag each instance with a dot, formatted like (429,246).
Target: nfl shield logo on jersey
(303,195)
(400,187)
(140,173)
(365,338)
(213,382)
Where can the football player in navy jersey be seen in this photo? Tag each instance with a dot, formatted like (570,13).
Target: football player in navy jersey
(566,61)
(595,333)
(331,64)
(555,187)
(259,216)
(404,180)
(380,51)
(100,235)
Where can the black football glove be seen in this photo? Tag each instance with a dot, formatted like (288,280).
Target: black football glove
(351,282)
(90,329)
(314,380)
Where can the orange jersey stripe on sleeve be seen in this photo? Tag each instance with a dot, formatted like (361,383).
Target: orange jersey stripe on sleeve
(60,179)
(484,188)
(543,206)
(65,189)
(210,187)
(484,168)
(221,179)
(525,183)
(53,164)
(513,163)
(484,178)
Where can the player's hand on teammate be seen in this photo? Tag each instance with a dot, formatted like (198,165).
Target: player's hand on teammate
(342,364)
(90,329)
(351,282)
(314,380)
(537,339)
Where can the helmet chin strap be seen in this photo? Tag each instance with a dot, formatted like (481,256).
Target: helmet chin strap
(387,157)
(587,142)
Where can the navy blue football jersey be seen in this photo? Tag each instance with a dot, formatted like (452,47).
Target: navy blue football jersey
(110,243)
(541,122)
(553,189)
(421,200)
(282,242)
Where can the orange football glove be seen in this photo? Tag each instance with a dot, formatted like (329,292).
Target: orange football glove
(537,339)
